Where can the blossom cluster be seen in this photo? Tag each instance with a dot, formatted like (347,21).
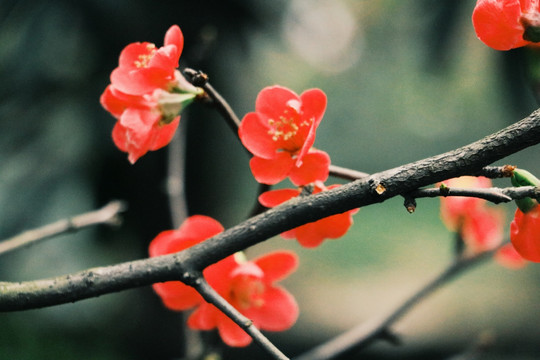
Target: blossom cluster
(280,134)
(146,95)
(505,25)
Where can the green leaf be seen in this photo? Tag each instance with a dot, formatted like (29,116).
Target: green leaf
(522,177)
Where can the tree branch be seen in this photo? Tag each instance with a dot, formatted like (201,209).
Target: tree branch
(200,79)
(373,189)
(494,195)
(106,215)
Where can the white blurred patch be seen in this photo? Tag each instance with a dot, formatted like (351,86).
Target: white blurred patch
(324,33)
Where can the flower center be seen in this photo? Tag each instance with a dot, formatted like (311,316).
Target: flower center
(144,59)
(287,127)
(247,292)
(284,128)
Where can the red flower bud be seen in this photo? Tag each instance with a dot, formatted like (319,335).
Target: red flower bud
(507,24)
(525,233)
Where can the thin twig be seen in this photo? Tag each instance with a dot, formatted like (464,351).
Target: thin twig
(106,215)
(496,172)
(345,173)
(363,335)
(494,195)
(212,297)
(200,79)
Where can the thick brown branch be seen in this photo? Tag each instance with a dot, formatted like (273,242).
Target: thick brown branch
(373,189)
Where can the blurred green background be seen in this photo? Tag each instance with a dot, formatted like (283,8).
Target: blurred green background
(405,80)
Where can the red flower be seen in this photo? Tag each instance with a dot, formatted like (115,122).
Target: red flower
(142,68)
(479,226)
(280,134)
(142,125)
(507,24)
(483,229)
(311,234)
(249,286)
(174,294)
(454,209)
(147,94)
(525,233)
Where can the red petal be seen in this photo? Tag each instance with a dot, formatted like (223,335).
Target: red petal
(309,236)
(508,257)
(272,101)
(313,234)
(218,275)
(138,124)
(193,230)
(177,296)
(279,311)
(454,209)
(200,226)
(140,81)
(315,167)
(313,104)
(313,108)
(335,226)
(290,234)
(275,197)
(112,103)
(165,58)
(119,137)
(164,134)
(497,23)
(132,54)
(254,135)
(277,265)
(175,37)
(204,317)
(232,334)
(525,234)
(271,171)
(483,229)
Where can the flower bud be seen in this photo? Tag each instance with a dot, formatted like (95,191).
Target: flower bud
(522,177)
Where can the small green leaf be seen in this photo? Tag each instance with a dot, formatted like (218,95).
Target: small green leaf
(522,177)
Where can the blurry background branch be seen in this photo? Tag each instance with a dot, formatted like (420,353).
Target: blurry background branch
(107,215)
(378,328)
